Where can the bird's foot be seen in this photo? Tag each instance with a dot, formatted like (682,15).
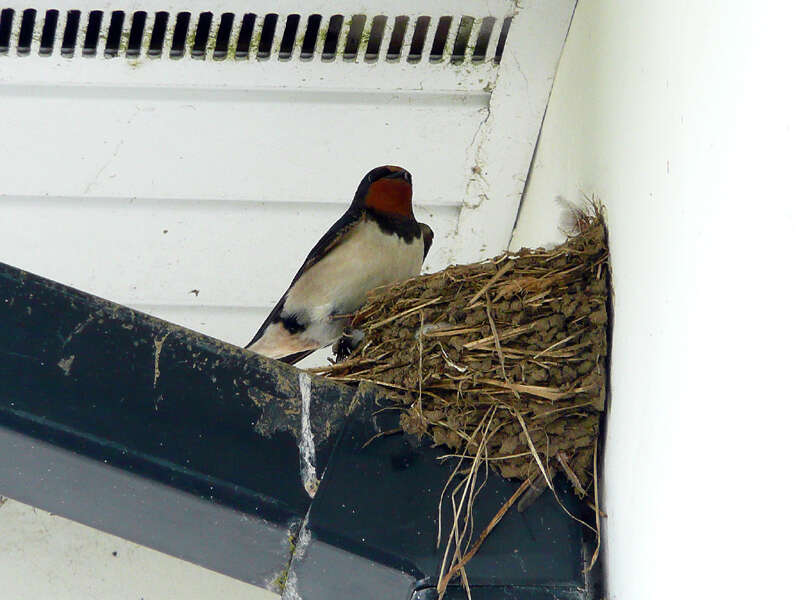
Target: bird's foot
(344,346)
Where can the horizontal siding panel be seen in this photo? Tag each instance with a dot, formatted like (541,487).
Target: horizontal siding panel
(201,147)
(192,188)
(155,253)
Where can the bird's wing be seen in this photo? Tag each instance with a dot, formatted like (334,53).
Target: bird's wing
(273,316)
(338,232)
(427,238)
(332,238)
(296,357)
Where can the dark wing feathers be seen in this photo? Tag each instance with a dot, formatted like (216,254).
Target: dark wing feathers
(332,238)
(427,238)
(273,316)
(296,357)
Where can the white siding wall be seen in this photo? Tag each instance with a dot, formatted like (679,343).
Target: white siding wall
(193,189)
(682,117)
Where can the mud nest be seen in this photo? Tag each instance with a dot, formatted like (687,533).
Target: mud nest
(503,360)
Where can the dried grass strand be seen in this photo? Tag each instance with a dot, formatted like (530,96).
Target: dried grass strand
(442,585)
(505,367)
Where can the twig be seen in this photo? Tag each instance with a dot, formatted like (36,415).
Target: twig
(421,325)
(484,534)
(516,413)
(596,513)
(504,335)
(452,475)
(381,434)
(576,483)
(560,342)
(404,313)
(496,339)
(450,362)
(454,537)
(547,393)
(503,270)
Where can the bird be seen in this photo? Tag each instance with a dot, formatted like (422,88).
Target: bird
(377,241)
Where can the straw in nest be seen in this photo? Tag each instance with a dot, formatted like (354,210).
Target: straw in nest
(503,362)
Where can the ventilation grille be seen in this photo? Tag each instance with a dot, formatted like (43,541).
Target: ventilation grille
(224,36)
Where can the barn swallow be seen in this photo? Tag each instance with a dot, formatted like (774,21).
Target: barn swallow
(376,242)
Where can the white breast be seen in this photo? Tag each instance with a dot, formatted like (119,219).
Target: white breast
(339,282)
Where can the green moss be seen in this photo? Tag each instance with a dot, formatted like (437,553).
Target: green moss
(447,51)
(190,40)
(280,581)
(253,52)
(469,51)
(123,42)
(211,43)
(148,32)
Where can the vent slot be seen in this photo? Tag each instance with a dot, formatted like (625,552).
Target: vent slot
(501,43)
(226,35)
(267,36)
(440,39)
(158,35)
(332,38)
(353,41)
(223,36)
(6,22)
(310,38)
(114,34)
(395,49)
(289,36)
(375,38)
(201,36)
(245,37)
(482,43)
(70,33)
(92,33)
(462,39)
(178,48)
(137,33)
(48,33)
(26,31)
(418,39)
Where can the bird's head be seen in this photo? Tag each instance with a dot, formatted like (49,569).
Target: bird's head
(386,190)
